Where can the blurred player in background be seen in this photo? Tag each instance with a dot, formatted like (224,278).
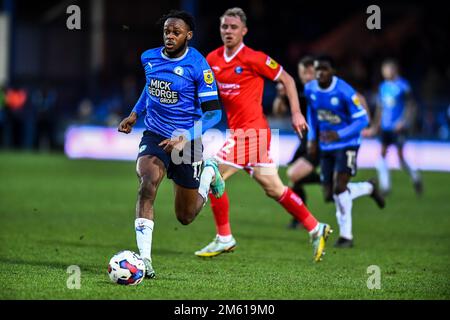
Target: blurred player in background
(394,116)
(179,102)
(302,168)
(337,118)
(240,72)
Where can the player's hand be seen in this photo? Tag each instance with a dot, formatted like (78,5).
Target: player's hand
(299,123)
(176,143)
(126,125)
(399,127)
(368,133)
(329,136)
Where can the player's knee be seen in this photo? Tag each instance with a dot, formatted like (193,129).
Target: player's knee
(291,174)
(274,192)
(339,188)
(328,196)
(147,187)
(186,215)
(184,218)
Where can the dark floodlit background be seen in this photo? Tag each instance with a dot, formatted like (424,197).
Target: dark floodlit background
(52,77)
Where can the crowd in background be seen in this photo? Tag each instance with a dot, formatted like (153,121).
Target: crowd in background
(59,89)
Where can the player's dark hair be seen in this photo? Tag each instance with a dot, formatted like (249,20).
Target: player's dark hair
(178,14)
(326,58)
(307,61)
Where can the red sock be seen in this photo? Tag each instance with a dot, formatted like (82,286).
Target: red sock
(220,208)
(294,205)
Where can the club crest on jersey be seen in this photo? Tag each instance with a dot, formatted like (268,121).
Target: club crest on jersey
(238,70)
(272,64)
(334,101)
(178,70)
(208,76)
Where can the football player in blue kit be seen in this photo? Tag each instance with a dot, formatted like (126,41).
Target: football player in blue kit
(179,102)
(336,119)
(394,115)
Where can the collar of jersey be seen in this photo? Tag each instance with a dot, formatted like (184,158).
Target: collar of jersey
(228,59)
(330,88)
(173,59)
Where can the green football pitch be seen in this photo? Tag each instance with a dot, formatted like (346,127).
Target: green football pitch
(56,212)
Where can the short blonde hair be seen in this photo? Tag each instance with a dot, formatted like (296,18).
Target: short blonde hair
(235,12)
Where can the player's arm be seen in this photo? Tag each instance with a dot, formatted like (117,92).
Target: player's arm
(298,120)
(209,102)
(126,125)
(312,138)
(407,118)
(358,116)
(280,106)
(364,103)
(212,113)
(376,121)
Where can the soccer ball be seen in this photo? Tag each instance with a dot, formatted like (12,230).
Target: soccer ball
(127,268)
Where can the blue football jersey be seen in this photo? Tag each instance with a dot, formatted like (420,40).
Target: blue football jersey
(333,109)
(392,96)
(174,91)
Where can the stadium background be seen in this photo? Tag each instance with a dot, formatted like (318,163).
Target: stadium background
(94,76)
(56,212)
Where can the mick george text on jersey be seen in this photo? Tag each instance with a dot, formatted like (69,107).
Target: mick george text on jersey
(161,89)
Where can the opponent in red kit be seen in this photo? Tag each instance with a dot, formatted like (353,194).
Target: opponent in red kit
(240,73)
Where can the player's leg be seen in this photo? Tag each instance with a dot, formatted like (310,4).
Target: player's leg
(365,188)
(220,206)
(188,203)
(150,171)
(344,204)
(382,166)
(327,161)
(299,169)
(224,240)
(414,174)
(344,169)
(269,180)
(296,172)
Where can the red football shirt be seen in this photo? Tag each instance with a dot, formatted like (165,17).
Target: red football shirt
(240,80)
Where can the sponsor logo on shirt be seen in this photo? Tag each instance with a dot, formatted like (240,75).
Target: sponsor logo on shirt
(142,148)
(272,64)
(356,100)
(329,116)
(208,76)
(229,88)
(161,89)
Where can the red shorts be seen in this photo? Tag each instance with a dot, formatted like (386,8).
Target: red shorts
(244,149)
